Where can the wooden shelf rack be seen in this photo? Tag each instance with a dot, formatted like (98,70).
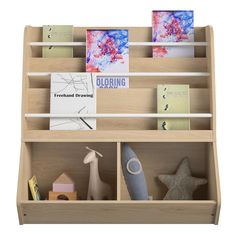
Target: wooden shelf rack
(47,154)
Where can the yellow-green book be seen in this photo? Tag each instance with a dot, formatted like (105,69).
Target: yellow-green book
(57,33)
(34,189)
(173,98)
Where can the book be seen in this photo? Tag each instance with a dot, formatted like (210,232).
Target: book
(173,98)
(108,51)
(173,26)
(57,33)
(34,189)
(72,93)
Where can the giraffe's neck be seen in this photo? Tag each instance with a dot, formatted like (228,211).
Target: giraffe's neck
(94,174)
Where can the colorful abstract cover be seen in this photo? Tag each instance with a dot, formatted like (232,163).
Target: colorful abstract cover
(108,51)
(72,93)
(173,26)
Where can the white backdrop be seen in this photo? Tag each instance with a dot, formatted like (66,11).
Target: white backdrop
(16,14)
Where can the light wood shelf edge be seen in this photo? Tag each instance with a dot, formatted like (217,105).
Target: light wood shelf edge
(119,136)
(118,158)
(218,195)
(121,202)
(19,188)
(210,55)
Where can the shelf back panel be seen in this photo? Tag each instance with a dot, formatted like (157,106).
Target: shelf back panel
(134,100)
(136,34)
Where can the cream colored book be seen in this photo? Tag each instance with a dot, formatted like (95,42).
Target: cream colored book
(173,98)
(57,33)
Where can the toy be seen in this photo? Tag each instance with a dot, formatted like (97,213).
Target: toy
(181,185)
(62,195)
(97,189)
(63,188)
(63,184)
(133,174)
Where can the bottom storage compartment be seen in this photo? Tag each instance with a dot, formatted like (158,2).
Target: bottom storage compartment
(165,158)
(47,160)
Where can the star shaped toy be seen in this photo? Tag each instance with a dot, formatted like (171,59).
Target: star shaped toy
(181,185)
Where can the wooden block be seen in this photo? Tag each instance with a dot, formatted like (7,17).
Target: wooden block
(63,184)
(62,195)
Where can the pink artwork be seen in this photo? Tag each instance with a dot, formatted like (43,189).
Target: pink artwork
(107,51)
(173,26)
(63,184)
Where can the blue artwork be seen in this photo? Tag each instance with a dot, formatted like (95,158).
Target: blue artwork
(107,51)
(173,26)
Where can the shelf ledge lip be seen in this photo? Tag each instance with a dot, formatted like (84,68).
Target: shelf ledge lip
(120,202)
(135,74)
(121,115)
(169,44)
(118,136)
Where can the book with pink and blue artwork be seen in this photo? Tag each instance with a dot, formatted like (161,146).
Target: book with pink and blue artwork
(173,26)
(108,51)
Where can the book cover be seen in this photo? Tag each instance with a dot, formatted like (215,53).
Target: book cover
(72,93)
(108,51)
(173,26)
(34,189)
(173,98)
(57,33)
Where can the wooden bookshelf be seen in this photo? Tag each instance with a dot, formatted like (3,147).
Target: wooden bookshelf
(47,153)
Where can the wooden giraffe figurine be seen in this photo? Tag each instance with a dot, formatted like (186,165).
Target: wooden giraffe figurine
(97,189)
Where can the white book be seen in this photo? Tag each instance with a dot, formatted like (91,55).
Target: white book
(72,93)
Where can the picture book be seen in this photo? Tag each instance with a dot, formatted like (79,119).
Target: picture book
(108,51)
(57,33)
(34,189)
(173,98)
(72,93)
(173,26)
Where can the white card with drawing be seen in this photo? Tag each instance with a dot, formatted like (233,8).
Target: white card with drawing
(72,93)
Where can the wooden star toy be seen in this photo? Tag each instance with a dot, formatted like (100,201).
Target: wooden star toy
(181,185)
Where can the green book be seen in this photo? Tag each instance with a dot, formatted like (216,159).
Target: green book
(173,98)
(57,33)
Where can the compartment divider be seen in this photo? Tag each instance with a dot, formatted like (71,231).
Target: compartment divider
(118,171)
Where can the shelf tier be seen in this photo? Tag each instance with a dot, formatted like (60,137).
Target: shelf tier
(119,136)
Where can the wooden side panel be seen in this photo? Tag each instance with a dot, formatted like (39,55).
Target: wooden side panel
(25,173)
(213,178)
(211,69)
